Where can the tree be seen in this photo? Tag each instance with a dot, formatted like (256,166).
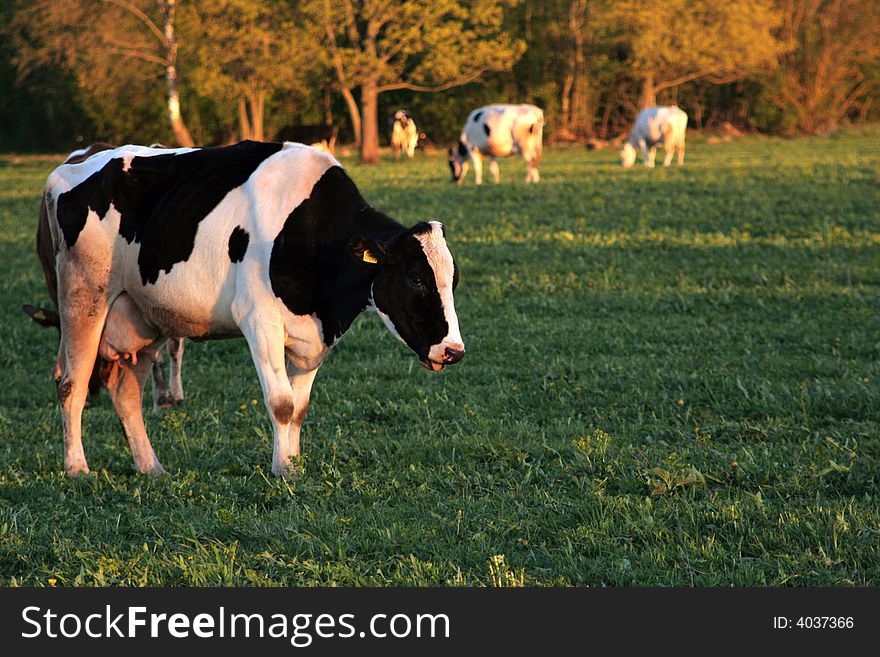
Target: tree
(244,51)
(676,41)
(420,45)
(99,40)
(827,71)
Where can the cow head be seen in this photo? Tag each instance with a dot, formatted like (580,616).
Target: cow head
(627,155)
(402,117)
(412,292)
(458,162)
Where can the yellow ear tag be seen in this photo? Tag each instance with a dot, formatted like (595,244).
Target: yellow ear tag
(369,257)
(40,315)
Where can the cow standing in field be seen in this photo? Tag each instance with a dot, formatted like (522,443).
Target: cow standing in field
(656,125)
(268,241)
(498,131)
(164,394)
(404,134)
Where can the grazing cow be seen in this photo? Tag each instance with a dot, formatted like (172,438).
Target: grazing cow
(268,241)
(498,131)
(164,395)
(318,135)
(404,134)
(656,125)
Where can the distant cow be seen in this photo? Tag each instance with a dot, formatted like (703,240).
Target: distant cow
(164,395)
(497,131)
(319,135)
(404,134)
(268,241)
(656,125)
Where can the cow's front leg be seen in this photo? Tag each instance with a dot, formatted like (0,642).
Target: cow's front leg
(477,159)
(532,174)
(125,383)
(652,155)
(265,337)
(301,383)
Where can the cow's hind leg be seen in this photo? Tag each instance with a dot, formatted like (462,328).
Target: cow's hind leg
(82,321)
(175,355)
(670,152)
(125,383)
(168,391)
(494,170)
(161,392)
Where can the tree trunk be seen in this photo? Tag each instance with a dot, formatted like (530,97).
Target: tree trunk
(257,103)
(649,96)
(355,115)
(370,125)
(181,133)
(565,108)
(580,119)
(244,124)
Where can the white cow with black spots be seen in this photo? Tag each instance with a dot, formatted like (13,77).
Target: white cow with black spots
(272,242)
(497,131)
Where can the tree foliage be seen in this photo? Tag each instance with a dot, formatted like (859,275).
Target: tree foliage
(229,69)
(830,69)
(417,45)
(677,41)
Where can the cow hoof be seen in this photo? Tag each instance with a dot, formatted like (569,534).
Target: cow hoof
(155,470)
(286,471)
(76,469)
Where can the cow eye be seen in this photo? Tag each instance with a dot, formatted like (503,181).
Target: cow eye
(416,281)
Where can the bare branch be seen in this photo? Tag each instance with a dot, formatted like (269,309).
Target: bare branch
(440,87)
(141,15)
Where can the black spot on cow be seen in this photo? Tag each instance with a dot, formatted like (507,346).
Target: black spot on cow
(238,244)
(478,115)
(486,129)
(161,199)
(532,129)
(312,268)
(462,149)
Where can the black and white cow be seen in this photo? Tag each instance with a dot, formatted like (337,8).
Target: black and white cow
(269,241)
(498,131)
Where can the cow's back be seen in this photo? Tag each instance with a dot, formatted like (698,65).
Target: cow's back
(177,227)
(502,129)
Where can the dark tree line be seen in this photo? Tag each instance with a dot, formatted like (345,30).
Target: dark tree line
(214,71)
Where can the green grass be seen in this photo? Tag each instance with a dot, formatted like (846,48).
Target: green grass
(672,379)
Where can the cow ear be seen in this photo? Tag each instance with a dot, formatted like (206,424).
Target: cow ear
(367,250)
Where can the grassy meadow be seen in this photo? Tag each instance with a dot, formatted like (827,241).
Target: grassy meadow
(672,378)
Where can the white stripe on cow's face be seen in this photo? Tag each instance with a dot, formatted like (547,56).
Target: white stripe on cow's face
(440,259)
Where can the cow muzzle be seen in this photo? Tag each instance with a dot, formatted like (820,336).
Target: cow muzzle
(443,354)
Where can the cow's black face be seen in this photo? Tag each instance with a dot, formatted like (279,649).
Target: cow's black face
(413,294)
